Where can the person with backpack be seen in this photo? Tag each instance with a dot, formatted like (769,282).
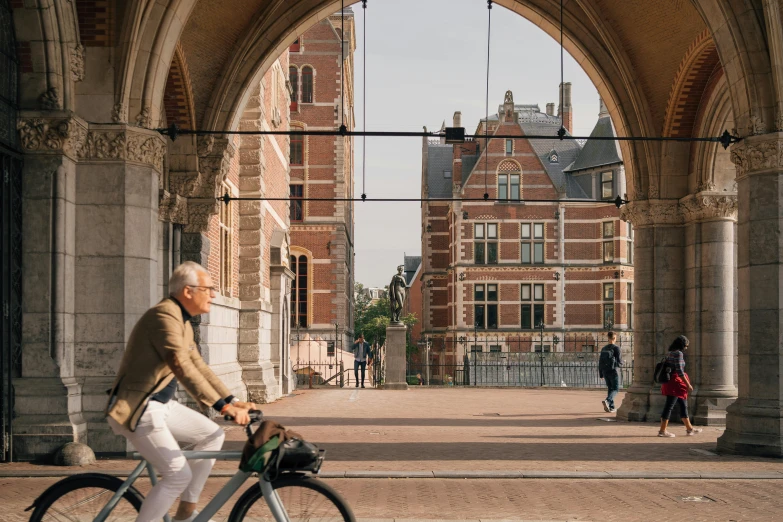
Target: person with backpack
(676,388)
(608,362)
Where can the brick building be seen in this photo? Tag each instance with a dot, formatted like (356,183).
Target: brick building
(322,167)
(540,249)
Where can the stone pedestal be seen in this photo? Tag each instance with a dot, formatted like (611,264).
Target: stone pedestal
(754,423)
(395,358)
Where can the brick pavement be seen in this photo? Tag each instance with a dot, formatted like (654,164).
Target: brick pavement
(454,429)
(499,499)
(495,431)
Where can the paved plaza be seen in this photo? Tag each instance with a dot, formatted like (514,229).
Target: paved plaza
(533,454)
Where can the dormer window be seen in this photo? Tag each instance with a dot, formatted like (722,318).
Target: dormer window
(447,174)
(554,157)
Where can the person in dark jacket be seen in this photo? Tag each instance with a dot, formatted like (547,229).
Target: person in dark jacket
(676,389)
(362,354)
(611,375)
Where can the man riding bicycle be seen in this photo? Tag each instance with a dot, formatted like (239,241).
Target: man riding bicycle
(160,353)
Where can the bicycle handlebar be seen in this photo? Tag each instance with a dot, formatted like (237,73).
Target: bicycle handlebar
(255,416)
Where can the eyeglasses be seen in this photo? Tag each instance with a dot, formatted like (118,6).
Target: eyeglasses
(211,289)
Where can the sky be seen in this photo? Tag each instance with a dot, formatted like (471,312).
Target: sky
(427,59)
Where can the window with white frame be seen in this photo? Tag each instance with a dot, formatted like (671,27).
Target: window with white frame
(608,244)
(532,247)
(485,243)
(485,306)
(630,243)
(509,179)
(608,291)
(509,147)
(532,299)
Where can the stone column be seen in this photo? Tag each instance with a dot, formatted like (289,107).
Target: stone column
(47,406)
(753,422)
(709,302)
(658,299)
(102,220)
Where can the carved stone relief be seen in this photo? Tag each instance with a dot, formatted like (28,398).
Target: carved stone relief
(652,212)
(173,208)
(50,100)
(77,63)
(73,138)
(697,207)
(751,156)
(119,114)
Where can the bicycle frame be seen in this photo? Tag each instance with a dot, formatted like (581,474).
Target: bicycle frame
(222,497)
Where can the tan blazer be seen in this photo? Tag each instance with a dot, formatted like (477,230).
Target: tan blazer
(160,347)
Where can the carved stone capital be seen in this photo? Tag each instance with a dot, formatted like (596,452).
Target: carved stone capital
(649,212)
(705,206)
(758,154)
(82,142)
(173,208)
(200,211)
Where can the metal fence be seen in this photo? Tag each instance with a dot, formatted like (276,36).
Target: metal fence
(515,361)
(324,359)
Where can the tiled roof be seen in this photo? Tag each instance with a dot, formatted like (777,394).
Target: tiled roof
(411,265)
(439,160)
(597,153)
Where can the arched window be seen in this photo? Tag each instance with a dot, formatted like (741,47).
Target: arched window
(299,291)
(293,77)
(509,176)
(307,84)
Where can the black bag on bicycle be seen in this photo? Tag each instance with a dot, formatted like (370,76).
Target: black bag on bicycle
(274,447)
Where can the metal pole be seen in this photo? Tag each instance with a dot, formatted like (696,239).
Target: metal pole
(475,358)
(428,361)
(541,353)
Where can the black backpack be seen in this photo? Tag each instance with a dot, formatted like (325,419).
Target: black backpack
(663,372)
(607,361)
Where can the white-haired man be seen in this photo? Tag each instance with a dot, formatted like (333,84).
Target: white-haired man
(160,353)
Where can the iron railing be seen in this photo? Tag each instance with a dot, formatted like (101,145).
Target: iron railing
(516,361)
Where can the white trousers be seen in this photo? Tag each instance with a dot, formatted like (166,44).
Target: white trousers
(155,438)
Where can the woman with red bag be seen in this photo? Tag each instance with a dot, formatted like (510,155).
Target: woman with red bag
(677,388)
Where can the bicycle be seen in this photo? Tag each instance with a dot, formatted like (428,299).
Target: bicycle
(294,494)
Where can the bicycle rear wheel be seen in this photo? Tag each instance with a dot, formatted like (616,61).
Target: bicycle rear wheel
(81,497)
(304,498)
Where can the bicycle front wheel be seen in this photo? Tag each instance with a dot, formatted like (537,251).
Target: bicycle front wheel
(304,498)
(81,497)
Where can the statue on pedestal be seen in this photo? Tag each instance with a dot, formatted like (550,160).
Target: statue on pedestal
(397,289)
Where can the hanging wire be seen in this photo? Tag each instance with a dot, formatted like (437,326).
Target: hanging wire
(486,104)
(561,131)
(364,98)
(342,66)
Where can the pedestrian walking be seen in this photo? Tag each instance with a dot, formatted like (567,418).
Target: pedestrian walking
(608,362)
(362,356)
(676,389)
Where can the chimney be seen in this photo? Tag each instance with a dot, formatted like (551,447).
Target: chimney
(602,111)
(457,119)
(550,109)
(564,110)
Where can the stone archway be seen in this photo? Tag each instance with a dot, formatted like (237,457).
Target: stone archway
(625,55)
